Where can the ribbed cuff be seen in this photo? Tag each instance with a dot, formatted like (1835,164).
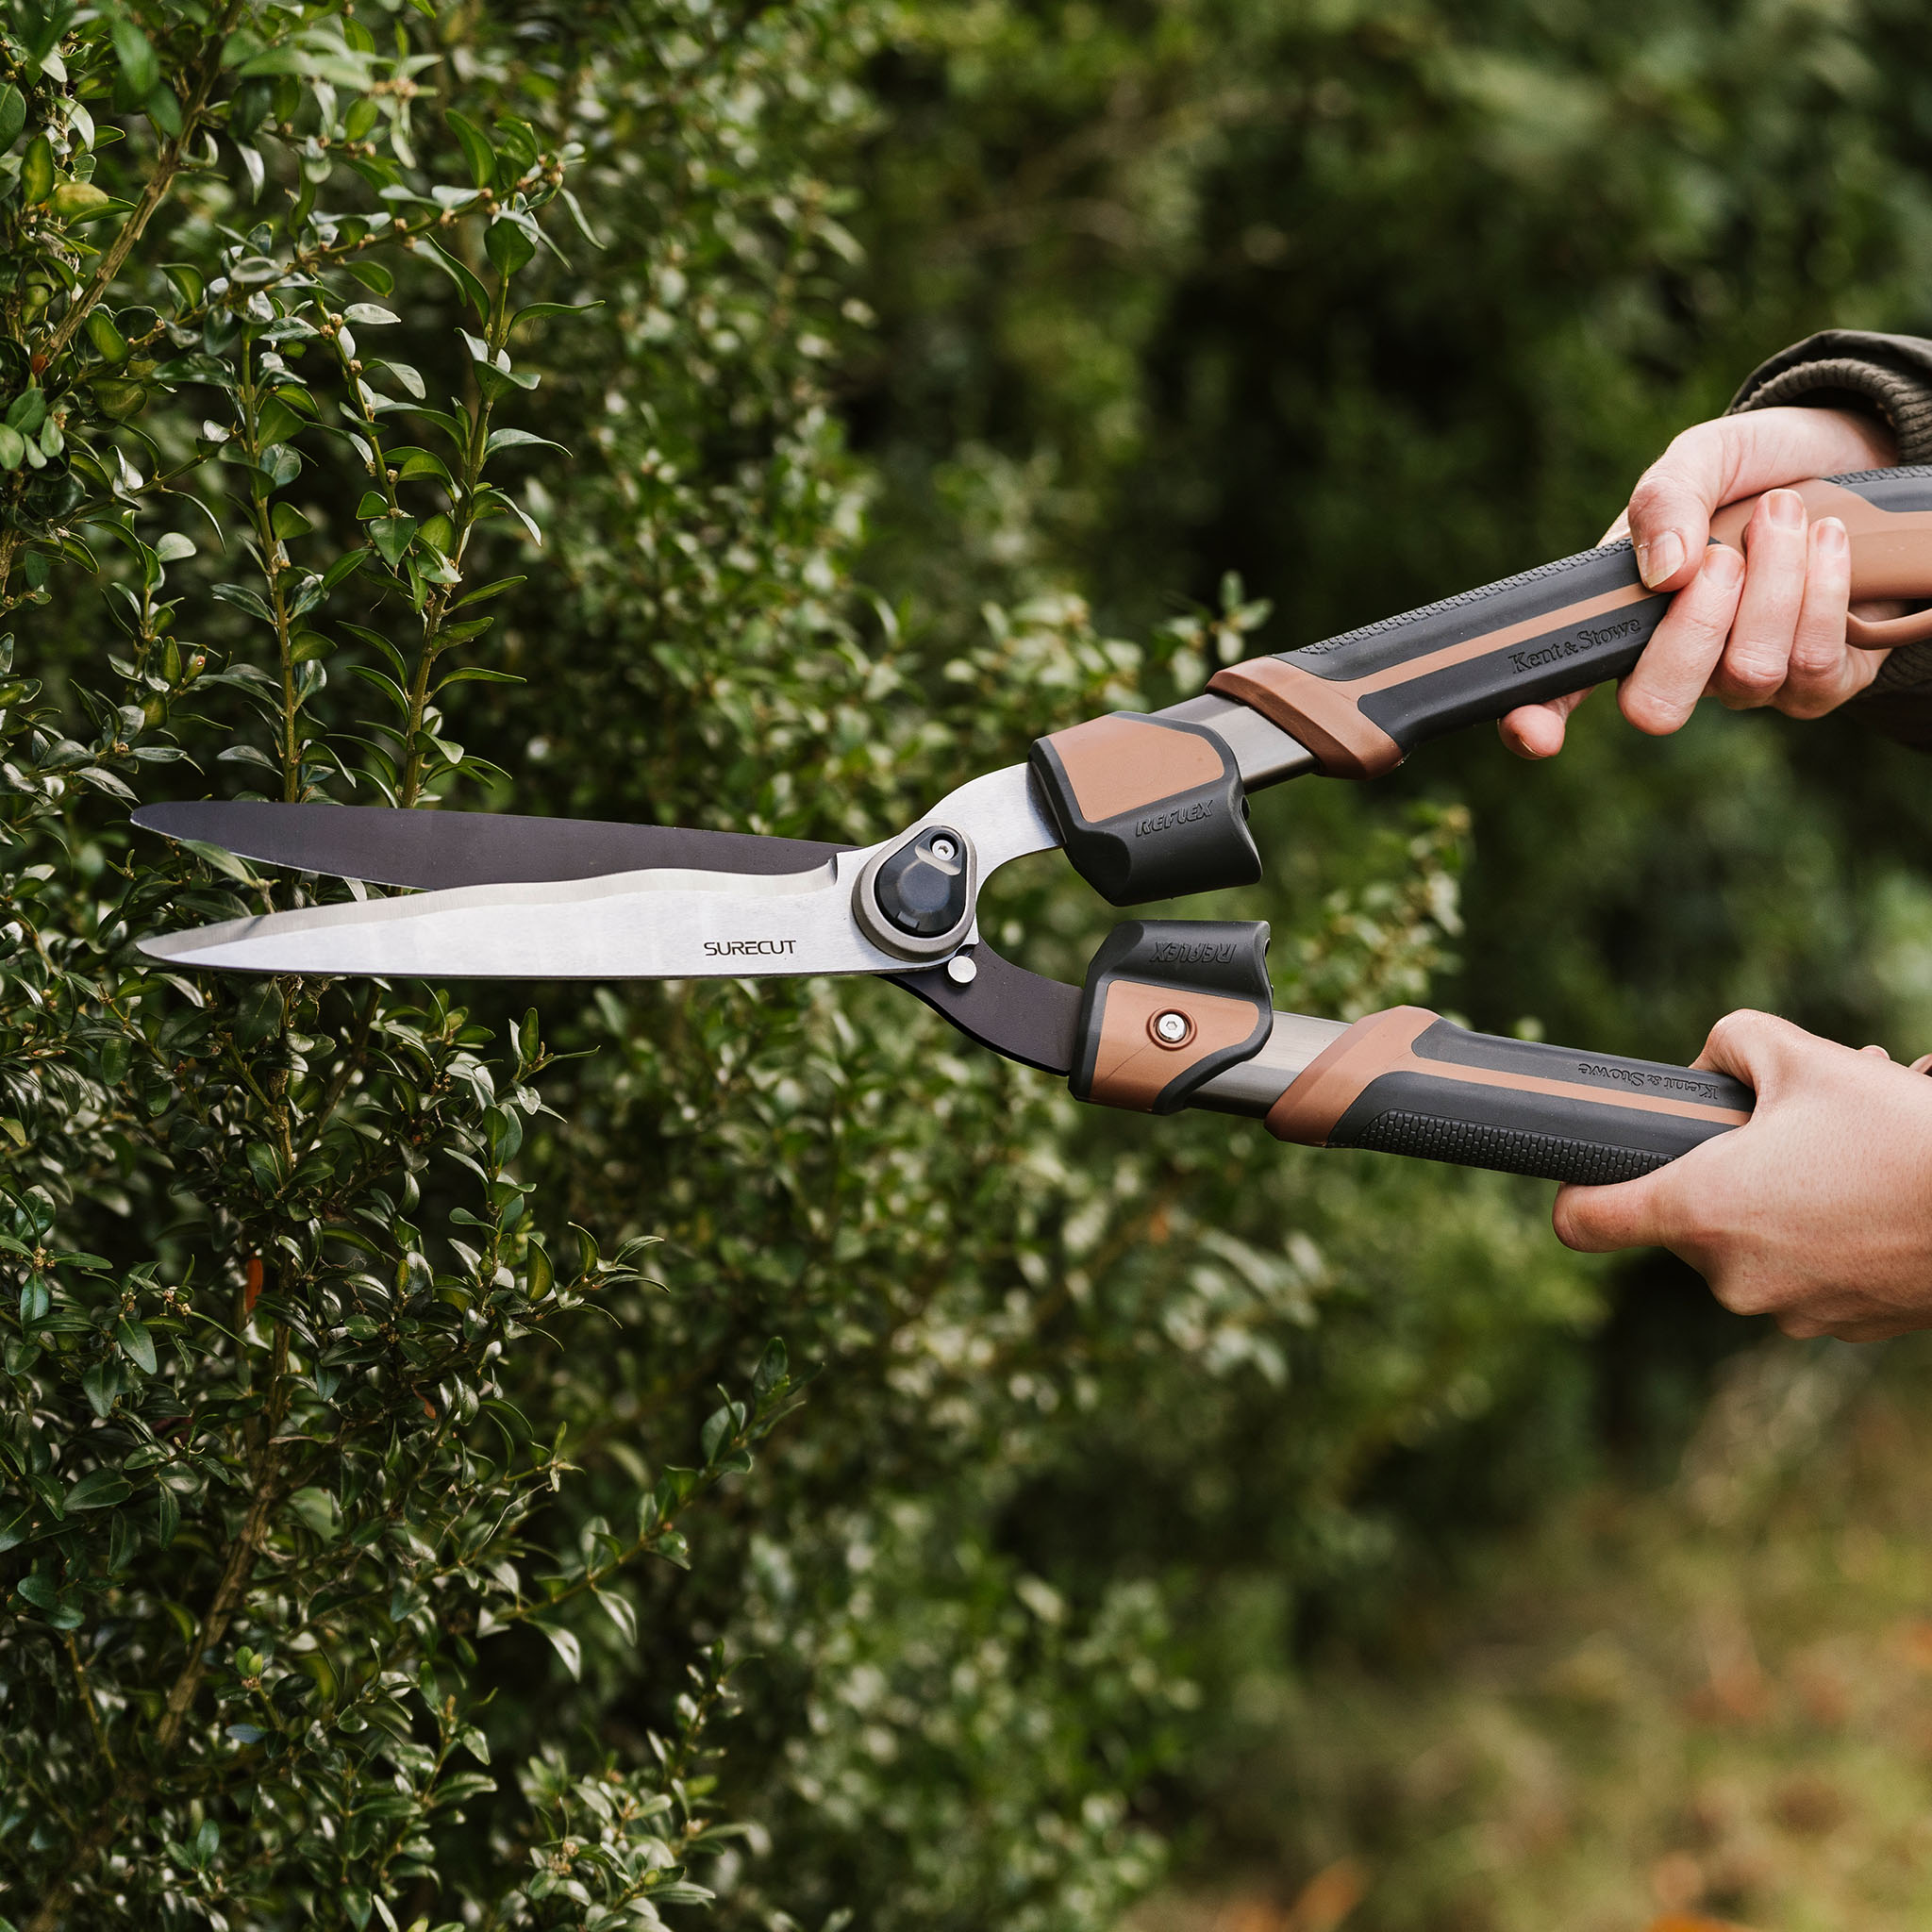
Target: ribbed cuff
(1887,376)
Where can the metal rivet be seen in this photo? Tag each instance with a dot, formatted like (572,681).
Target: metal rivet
(944,851)
(960,970)
(1170,1028)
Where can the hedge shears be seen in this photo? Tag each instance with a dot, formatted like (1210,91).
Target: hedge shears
(1147,807)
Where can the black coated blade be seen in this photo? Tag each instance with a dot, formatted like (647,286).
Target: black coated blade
(1020,1014)
(1024,1015)
(431,850)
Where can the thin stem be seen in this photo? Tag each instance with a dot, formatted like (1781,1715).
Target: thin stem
(87,1697)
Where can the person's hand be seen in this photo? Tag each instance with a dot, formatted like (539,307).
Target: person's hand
(1818,1211)
(1765,629)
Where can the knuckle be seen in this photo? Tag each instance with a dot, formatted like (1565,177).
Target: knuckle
(1655,716)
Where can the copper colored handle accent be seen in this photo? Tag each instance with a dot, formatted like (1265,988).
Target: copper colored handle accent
(1135,1065)
(1122,763)
(1407,1082)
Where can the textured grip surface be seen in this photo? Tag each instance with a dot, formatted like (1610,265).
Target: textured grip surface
(1508,1150)
(1407,1082)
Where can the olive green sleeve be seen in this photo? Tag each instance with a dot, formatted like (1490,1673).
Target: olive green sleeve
(1889,377)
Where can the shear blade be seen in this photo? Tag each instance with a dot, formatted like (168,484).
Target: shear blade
(432,850)
(661,924)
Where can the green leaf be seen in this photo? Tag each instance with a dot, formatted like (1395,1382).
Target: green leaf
(392,537)
(258,1015)
(472,292)
(187,278)
(137,1342)
(542,1275)
(221,861)
(474,673)
(565,1646)
(511,244)
(618,1610)
(286,521)
(319,1509)
(174,547)
(537,310)
(28,410)
(37,172)
(99,1489)
(12,447)
(101,1385)
(477,151)
(139,66)
(518,439)
(771,1367)
(12,115)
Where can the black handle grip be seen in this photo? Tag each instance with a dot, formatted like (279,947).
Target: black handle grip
(1362,702)
(1407,1082)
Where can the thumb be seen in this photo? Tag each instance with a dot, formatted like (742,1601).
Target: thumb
(1670,508)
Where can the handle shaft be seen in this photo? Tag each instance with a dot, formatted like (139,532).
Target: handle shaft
(1407,1082)
(1363,700)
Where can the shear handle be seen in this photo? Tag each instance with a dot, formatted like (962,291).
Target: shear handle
(1177,1013)
(1363,700)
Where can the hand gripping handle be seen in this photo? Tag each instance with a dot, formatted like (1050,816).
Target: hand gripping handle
(1363,700)
(1178,1013)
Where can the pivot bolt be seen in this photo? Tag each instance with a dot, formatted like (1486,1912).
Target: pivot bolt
(922,890)
(1170,1028)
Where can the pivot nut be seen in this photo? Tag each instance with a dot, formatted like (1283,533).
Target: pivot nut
(916,898)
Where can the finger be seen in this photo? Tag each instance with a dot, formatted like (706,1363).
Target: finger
(1670,508)
(1677,662)
(1923,1064)
(1752,670)
(1879,1051)
(1820,674)
(1536,731)
(1634,1214)
(1756,1048)
(1718,463)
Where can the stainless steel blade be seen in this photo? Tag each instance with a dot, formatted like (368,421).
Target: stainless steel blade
(433,850)
(664,924)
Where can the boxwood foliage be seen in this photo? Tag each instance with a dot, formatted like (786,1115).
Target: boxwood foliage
(473,1462)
